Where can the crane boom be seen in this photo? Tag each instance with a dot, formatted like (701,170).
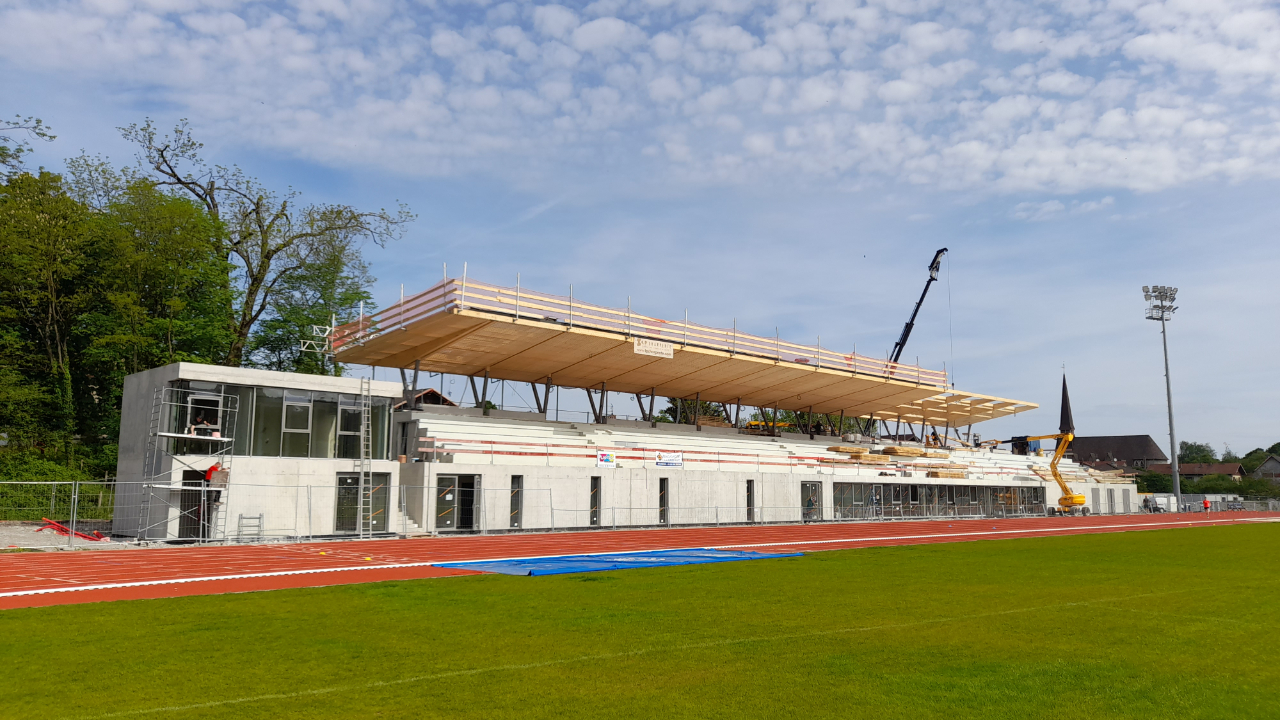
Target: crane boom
(1064,440)
(906,330)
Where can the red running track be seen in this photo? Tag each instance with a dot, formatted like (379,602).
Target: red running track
(57,578)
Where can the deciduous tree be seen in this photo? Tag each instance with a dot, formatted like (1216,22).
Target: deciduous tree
(270,236)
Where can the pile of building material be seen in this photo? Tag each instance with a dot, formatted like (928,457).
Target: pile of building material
(954,474)
(937,454)
(904,451)
(848,449)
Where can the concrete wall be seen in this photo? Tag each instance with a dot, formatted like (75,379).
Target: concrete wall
(297,496)
(135,418)
(274,487)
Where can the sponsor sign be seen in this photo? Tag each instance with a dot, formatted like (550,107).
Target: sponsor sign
(654,348)
(670,459)
(606,459)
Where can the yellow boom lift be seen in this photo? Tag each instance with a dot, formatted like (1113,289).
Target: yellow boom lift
(1071,502)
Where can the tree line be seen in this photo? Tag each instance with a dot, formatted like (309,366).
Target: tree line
(1197,452)
(109,269)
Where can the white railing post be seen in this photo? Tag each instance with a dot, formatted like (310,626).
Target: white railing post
(463,302)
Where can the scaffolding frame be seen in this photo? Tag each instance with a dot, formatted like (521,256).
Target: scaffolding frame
(188,429)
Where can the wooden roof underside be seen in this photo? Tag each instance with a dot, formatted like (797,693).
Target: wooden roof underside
(471,342)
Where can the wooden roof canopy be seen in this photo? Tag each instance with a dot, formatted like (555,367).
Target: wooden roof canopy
(463,327)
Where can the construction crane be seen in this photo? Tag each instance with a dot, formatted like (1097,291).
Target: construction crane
(906,330)
(1070,501)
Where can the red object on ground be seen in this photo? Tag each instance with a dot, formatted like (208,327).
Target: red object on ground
(64,531)
(55,578)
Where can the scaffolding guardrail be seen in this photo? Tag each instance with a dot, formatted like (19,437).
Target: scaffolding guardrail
(459,294)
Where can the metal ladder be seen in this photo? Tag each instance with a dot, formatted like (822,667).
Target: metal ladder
(151,474)
(149,462)
(365,464)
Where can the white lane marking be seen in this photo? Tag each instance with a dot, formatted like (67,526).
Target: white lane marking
(243,576)
(613,656)
(456,563)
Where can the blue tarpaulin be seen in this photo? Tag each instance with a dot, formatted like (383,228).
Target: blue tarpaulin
(613,561)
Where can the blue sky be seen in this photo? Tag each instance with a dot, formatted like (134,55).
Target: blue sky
(787,164)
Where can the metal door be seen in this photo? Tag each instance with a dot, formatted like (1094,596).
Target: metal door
(811,501)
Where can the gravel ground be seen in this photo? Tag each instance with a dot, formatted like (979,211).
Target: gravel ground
(24,535)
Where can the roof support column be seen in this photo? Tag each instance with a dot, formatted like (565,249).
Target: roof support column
(697,408)
(484,396)
(539,400)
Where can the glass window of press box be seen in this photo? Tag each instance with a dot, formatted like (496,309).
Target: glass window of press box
(279,422)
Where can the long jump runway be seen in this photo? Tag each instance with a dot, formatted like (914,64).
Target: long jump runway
(58,578)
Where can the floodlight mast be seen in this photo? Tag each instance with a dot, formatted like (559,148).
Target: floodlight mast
(1160,307)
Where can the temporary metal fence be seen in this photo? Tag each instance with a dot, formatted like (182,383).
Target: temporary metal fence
(250,513)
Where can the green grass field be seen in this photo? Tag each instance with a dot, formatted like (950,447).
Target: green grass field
(1166,624)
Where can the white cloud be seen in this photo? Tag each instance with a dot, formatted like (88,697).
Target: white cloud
(554,20)
(1134,96)
(1064,83)
(607,34)
(1037,211)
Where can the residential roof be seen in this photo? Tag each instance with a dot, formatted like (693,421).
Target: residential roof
(1270,466)
(1108,466)
(430,396)
(1119,448)
(1199,468)
(463,327)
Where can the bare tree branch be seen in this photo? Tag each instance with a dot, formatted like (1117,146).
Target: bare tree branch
(258,226)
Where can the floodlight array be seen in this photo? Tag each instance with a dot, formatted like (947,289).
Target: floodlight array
(1160,300)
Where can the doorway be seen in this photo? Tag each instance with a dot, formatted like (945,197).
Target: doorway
(811,501)
(595,501)
(662,501)
(347,513)
(193,507)
(751,501)
(457,503)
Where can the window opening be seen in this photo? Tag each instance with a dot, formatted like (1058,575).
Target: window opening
(296,440)
(842,500)
(268,413)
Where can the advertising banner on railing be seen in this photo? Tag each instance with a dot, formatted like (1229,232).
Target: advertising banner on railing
(606,459)
(667,458)
(654,348)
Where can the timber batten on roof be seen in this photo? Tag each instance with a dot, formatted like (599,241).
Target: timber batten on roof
(466,328)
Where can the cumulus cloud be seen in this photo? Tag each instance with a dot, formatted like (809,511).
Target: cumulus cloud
(1024,98)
